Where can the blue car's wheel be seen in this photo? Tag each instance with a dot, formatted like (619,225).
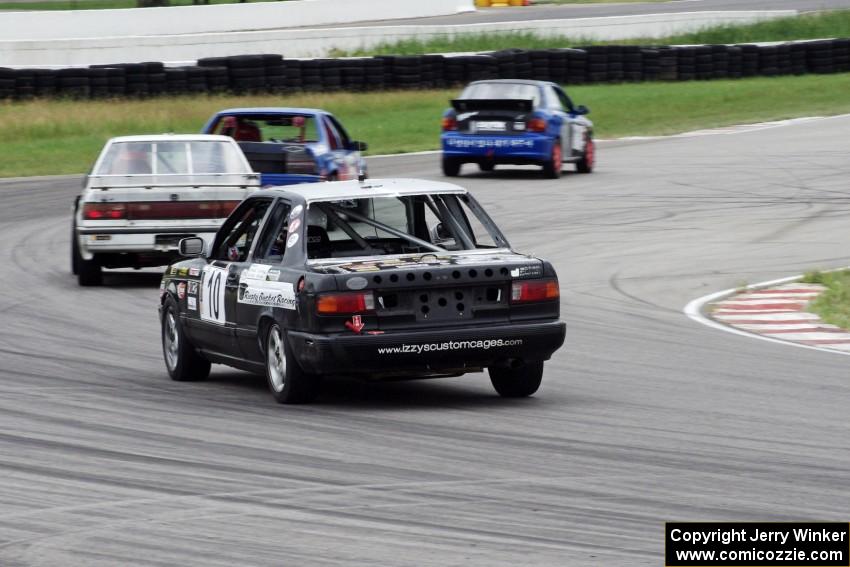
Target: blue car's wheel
(585,164)
(552,167)
(451,167)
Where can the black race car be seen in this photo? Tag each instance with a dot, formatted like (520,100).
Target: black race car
(396,278)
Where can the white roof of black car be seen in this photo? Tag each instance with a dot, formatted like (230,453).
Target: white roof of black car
(340,190)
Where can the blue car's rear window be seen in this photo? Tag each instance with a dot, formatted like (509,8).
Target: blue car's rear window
(285,128)
(502,91)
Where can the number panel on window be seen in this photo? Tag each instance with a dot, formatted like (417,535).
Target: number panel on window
(212,294)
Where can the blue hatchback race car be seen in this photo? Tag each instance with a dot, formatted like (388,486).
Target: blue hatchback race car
(517,122)
(292,145)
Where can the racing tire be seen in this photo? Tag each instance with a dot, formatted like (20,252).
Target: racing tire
(517,382)
(588,159)
(552,167)
(451,167)
(182,361)
(88,272)
(486,167)
(288,383)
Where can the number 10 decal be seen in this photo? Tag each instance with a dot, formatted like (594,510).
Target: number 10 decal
(212,294)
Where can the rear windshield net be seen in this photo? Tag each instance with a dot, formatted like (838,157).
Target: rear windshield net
(171,158)
(282,128)
(398,225)
(515,91)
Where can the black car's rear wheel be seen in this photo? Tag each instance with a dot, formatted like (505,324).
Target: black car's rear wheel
(451,167)
(182,361)
(517,382)
(552,167)
(288,383)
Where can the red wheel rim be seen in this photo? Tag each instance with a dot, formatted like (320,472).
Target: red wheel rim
(590,153)
(556,155)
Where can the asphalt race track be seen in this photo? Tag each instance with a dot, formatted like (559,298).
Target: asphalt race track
(549,11)
(644,416)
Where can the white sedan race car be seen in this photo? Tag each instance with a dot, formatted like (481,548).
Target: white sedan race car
(146,193)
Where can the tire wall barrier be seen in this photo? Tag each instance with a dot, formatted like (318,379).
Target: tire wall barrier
(271,73)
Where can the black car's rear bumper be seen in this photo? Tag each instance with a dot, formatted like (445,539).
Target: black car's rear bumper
(430,351)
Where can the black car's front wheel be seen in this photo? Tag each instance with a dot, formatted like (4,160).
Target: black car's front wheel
(517,382)
(288,383)
(182,361)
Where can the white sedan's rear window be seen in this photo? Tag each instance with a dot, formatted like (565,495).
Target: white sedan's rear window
(171,158)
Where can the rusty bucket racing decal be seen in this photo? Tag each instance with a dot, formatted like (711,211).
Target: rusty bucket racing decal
(259,285)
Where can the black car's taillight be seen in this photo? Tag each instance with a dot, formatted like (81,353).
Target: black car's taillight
(529,291)
(349,302)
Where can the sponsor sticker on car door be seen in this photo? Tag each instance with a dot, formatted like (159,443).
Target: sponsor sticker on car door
(259,285)
(213,286)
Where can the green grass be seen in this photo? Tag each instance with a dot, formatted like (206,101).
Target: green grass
(807,26)
(833,305)
(53,137)
(814,277)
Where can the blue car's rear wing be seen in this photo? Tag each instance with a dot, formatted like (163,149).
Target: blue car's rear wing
(475,104)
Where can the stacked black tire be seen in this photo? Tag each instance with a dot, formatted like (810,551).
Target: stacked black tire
(247,73)
(271,73)
(7,82)
(275,73)
(24,83)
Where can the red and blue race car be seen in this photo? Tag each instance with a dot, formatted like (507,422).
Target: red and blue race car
(516,122)
(292,145)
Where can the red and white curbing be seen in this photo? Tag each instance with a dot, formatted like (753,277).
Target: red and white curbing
(780,312)
(773,311)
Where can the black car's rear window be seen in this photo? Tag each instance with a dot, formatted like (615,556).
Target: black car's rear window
(398,225)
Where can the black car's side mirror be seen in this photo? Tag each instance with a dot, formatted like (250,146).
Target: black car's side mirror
(359,146)
(191,247)
(581,109)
